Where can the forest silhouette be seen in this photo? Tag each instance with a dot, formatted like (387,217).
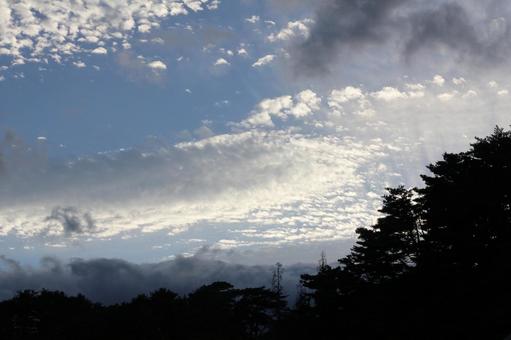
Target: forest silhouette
(435,265)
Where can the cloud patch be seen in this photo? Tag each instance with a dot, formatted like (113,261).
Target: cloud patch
(72,220)
(267,59)
(468,31)
(38,31)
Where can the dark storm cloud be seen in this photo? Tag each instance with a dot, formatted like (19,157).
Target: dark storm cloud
(447,25)
(110,280)
(72,220)
(407,26)
(344,24)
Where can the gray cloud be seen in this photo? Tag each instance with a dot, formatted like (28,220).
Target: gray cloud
(110,280)
(409,27)
(288,5)
(344,24)
(72,220)
(448,25)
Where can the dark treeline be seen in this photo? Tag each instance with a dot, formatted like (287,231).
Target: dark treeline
(436,265)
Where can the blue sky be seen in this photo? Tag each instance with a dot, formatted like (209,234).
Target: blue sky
(258,131)
(122,103)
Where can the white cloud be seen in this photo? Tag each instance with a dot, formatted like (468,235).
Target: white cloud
(253,19)
(195,5)
(264,60)
(438,80)
(144,28)
(306,103)
(292,30)
(99,50)
(447,96)
(213,4)
(221,62)
(157,65)
(351,99)
(79,64)
(388,94)
(415,90)
(470,94)
(415,87)
(342,96)
(458,81)
(300,106)
(37,31)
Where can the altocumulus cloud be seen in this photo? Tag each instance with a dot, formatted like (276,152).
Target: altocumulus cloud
(310,183)
(299,168)
(38,31)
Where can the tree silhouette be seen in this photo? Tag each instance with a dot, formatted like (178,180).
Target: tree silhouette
(435,265)
(391,246)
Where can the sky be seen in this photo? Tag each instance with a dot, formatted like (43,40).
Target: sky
(143,134)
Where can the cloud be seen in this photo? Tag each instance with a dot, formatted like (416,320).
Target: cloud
(112,281)
(299,28)
(137,67)
(388,94)
(99,50)
(264,60)
(38,31)
(343,24)
(72,220)
(253,19)
(244,177)
(345,95)
(79,64)
(438,80)
(301,106)
(468,31)
(157,65)
(297,169)
(221,62)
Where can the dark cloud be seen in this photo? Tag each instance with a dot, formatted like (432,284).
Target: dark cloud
(344,24)
(110,281)
(447,25)
(72,220)
(406,26)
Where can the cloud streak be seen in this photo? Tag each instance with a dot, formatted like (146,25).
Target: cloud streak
(111,281)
